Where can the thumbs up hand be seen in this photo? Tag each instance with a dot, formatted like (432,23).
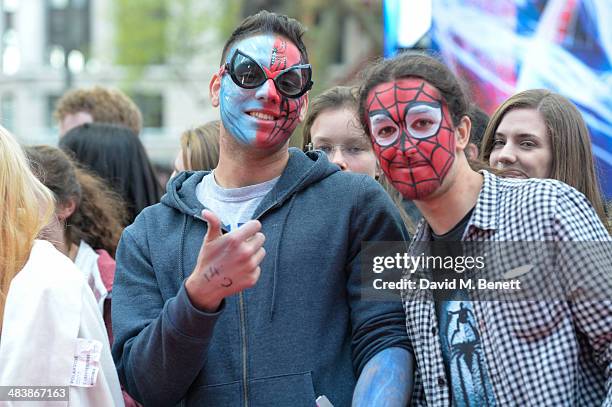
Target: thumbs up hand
(227,264)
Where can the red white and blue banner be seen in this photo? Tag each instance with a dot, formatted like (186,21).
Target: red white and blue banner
(504,46)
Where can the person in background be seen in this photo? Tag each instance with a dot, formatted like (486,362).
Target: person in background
(199,149)
(116,155)
(479,121)
(332,126)
(93,217)
(163,172)
(98,104)
(541,134)
(52,333)
(513,351)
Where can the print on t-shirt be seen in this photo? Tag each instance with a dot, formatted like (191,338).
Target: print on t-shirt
(463,354)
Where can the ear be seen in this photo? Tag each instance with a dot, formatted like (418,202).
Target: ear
(304,108)
(462,133)
(66,209)
(214,88)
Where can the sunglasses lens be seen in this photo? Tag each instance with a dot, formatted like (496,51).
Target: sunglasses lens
(247,72)
(292,82)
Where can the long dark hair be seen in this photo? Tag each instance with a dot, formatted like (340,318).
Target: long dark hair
(100,215)
(422,66)
(117,155)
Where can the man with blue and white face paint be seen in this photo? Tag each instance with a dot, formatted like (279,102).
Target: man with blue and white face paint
(259,112)
(242,287)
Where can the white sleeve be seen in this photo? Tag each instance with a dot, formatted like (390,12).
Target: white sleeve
(48,307)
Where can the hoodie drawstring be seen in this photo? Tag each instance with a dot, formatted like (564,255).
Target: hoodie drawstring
(277,255)
(181,250)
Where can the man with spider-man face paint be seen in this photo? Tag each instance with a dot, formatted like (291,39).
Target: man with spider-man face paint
(476,347)
(263,117)
(412,134)
(250,273)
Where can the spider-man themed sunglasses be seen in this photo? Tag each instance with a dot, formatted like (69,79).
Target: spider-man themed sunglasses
(247,73)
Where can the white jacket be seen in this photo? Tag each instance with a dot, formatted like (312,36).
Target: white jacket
(51,312)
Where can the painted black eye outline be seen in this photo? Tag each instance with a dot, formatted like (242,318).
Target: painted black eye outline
(419,111)
(247,73)
(381,121)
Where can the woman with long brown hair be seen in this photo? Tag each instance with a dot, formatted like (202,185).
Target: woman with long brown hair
(52,333)
(541,134)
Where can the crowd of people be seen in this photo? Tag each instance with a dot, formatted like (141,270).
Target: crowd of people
(243,283)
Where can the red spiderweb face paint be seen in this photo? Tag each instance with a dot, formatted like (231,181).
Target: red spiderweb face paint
(260,117)
(283,55)
(412,135)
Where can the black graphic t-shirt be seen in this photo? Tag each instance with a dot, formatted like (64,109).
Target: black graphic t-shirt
(462,352)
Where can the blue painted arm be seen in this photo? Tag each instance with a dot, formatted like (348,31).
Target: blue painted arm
(386,380)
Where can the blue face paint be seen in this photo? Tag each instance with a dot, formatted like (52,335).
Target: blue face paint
(261,117)
(386,380)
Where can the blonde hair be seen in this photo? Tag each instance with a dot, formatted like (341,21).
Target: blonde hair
(200,147)
(26,206)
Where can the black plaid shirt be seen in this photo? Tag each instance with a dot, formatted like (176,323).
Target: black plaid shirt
(569,366)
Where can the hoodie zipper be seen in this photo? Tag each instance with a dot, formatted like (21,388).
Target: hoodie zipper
(242,314)
(245,377)
(241,302)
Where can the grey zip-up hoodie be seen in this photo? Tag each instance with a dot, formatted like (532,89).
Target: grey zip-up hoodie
(300,332)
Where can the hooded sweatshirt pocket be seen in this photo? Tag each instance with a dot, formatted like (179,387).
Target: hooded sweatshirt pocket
(291,390)
(227,394)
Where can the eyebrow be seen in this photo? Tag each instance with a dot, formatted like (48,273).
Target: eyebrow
(420,109)
(520,135)
(423,109)
(360,138)
(423,106)
(379,112)
(301,63)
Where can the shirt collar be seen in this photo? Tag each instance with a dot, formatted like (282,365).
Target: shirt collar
(484,217)
(485,214)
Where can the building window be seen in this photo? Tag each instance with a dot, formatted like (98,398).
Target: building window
(152,107)
(11,55)
(68,29)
